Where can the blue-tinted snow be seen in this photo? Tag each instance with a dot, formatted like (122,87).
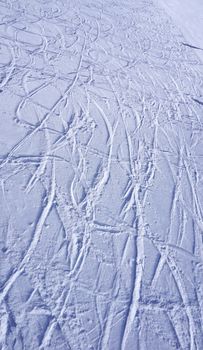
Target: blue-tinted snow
(101,175)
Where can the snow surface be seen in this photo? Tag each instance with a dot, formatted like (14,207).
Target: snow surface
(101,176)
(188,15)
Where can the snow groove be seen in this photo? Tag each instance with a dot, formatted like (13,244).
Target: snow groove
(101,178)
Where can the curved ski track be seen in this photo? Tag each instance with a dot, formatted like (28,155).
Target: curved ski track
(101,178)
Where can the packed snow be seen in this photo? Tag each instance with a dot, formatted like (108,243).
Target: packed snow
(101,175)
(188,15)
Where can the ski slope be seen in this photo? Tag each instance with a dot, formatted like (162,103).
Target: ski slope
(189,18)
(101,176)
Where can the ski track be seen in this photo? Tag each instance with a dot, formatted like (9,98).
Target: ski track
(101,174)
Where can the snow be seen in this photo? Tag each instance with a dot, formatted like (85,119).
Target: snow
(188,16)
(101,175)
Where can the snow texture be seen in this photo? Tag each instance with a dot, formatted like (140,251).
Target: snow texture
(101,175)
(188,15)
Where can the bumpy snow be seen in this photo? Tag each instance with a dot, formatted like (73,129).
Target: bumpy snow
(101,175)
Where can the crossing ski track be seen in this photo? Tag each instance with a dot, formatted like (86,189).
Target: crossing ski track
(101,177)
